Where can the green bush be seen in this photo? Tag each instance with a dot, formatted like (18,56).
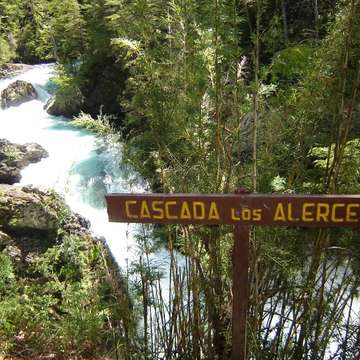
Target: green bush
(101,125)
(62,304)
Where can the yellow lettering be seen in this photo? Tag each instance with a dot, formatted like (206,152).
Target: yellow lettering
(198,210)
(333,213)
(127,209)
(157,207)
(233,215)
(144,212)
(290,213)
(307,215)
(213,212)
(279,213)
(322,212)
(352,216)
(257,214)
(185,211)
(246,214)
(167,210)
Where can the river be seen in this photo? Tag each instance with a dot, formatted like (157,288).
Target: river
(80,166)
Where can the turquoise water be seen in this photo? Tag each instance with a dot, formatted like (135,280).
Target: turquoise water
(80,167)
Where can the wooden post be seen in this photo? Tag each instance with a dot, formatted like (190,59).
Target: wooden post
(240,292)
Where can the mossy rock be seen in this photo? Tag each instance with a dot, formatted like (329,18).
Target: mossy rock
(27,210)
(17,93)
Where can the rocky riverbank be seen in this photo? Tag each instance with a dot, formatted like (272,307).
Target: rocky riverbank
(61,294)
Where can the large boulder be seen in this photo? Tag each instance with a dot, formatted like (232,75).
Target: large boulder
(101,93)
(9,175)
(56,107)
(17,93)
(31,211)
(28,210)
(14,157)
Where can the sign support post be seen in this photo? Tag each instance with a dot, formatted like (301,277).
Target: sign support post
(240,291)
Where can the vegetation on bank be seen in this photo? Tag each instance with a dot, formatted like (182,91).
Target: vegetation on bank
(212,96)
(61,294)
(101,125)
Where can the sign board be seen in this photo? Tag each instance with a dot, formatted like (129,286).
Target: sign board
(249,209)
(240,210)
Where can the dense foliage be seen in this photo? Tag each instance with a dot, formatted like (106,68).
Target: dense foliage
(61,295)
(218,95)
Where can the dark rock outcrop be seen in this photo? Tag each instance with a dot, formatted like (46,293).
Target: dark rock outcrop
(104,87)
(13,158)
(101,93)
(85,223)
(57,108)
(17,93)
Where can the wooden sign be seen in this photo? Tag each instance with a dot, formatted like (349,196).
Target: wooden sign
(240,210)
(251,209)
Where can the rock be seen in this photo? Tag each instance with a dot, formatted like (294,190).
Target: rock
(17,93)
(100,94)
(104,87)
(32,153)
(85,223)
(46,268)
(52,108)
(76,225)
(3,71)
(57,108)
(14,157)
(35,220)
(40,213)
(9,175)
(8,69)
(24,252)
(24,211)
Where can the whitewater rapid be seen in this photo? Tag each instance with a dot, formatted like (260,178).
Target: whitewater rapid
(80,167)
